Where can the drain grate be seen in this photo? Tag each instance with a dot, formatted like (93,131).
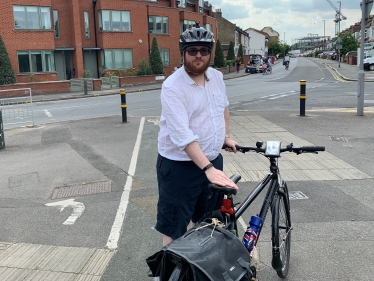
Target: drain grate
(335,138)
(297,195)
(82,189)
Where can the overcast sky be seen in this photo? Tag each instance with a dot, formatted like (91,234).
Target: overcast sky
(292,19)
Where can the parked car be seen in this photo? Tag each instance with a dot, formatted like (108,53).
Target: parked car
(369,63)
(351,53)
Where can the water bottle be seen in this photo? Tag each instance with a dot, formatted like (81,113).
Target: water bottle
(250,235)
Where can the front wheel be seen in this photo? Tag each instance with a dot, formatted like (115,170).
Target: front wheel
(281,232)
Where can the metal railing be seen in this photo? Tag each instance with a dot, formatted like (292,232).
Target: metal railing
(77,85)
(19,110)
(110,82)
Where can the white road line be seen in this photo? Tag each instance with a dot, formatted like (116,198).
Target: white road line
(115,232)
(282,95)
(48,113)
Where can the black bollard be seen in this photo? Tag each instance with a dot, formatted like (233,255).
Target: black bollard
(302,97)
(123,106)
(2,139)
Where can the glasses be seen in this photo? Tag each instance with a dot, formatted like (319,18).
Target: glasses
(194,51)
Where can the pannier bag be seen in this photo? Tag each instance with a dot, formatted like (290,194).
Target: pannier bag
(205,252)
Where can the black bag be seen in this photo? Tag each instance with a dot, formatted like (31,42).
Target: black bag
(206,253)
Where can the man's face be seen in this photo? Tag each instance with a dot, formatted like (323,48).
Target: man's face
(194,61)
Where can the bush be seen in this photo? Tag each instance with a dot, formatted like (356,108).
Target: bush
(143,68)
(155,60)
(6,71)
(231,52)
(219,60)
(241,53)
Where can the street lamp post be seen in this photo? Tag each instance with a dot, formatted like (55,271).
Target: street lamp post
(324,39)
(340,7)
(284,40)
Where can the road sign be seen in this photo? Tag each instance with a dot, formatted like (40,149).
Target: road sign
(368,6)
(339,40)
(338,46)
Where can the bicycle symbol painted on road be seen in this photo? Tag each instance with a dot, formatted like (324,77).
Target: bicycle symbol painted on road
(155,121)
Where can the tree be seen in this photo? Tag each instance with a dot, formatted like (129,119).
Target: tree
(241,53)
(231,52)
(274,48)
(219,60)
(155,60)
(6,71)
(349,43)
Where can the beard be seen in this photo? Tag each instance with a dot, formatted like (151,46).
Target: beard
(193,69)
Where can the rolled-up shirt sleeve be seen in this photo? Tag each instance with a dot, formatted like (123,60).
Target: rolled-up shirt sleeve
(175,112)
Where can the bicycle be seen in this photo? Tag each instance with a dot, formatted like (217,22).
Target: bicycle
(287,64)
(266,70)
(276,198)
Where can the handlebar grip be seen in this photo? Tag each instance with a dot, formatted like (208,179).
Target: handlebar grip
(235,178)
(312,148)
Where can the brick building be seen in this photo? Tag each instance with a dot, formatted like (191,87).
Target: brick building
(228,31)
(52,40)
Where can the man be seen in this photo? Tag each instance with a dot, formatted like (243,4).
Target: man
(286,60)
(194,125)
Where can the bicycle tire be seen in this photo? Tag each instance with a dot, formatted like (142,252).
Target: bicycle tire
(281,232)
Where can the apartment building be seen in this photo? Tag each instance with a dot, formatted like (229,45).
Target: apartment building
(54,40)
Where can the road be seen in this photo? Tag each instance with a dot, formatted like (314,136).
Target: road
(26,218)
(279,90)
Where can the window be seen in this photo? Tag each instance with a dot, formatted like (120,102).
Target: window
(36,61)
(208,26)
(158,25)
(182,3)
(186,24)
(56,24)
(32,17)
(86,25)
(201,5)
(117,59)
(165,57)
(114,20)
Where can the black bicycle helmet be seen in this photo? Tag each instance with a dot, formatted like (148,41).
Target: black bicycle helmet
(196,36)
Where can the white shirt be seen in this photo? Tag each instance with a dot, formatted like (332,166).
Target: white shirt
(191,112)
(286,58)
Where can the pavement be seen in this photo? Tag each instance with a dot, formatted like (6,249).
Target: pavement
(37,162)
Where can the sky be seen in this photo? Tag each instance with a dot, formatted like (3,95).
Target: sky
(292,19)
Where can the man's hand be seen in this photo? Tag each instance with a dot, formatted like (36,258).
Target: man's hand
(218,177)
(231,145)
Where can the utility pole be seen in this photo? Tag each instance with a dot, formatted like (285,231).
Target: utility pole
(340,7)
(324,39)
(366,6)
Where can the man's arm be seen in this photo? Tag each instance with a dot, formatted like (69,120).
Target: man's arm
(214,175)
(228,141)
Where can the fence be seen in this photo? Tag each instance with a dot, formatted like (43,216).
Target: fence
(17,111)
(109,82)
(78,84)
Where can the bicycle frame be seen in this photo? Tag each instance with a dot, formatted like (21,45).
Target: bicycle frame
(272,178)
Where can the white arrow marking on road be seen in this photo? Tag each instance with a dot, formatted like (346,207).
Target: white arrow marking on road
(78,209)
(48,113)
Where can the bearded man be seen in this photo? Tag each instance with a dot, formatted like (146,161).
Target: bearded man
(194,125)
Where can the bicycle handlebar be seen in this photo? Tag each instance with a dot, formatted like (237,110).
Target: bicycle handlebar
(289,148)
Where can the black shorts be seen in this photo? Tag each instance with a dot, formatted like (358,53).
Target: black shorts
(183,192)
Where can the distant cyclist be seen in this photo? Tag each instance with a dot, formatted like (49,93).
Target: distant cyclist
(269,64)
(286,60)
